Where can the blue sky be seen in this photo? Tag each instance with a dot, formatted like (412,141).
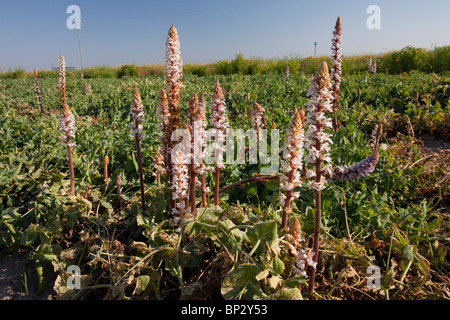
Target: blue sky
(33,33)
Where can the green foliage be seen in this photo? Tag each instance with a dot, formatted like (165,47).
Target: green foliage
(128,70)
(237,250)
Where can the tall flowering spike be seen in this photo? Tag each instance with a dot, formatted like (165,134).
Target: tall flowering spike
(192,112)
(372,66)
(336,68)
(202,104)
(318,140)
(66,121)
(37,90)
(219,120)
(375,137)
(67,126)
(174,74)
(291,164)
(199,147)
(257,118)
(158,164)
(62,79)
(180,185)
(137,115)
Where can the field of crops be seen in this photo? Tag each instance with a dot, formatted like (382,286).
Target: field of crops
(394,220)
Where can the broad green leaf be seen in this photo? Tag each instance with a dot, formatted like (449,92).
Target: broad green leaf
(241,283)
(141,284)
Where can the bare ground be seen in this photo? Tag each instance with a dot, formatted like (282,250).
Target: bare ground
(19,281)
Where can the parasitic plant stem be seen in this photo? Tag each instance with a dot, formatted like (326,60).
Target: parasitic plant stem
(137,115)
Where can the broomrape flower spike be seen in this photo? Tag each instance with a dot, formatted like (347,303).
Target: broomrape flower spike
(292,163)
(66,121)
(336,68)
(158,165)
(363,168)
(62,80)
(180,186)
(192,118)
(137,116)
(173,71)
(220,122)
(37,90)
(318,142)
(199,147)
(257,118)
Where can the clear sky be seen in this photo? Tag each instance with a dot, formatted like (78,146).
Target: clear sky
(34,33)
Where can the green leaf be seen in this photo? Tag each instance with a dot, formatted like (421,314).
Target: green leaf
(242,283)
(278,266)
(294,281)
(267,231)
(141,284)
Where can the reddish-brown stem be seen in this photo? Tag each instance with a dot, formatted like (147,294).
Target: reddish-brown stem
(239,183)
(106,173)
(204,203)
(139,159)
(287,204)
(312,273)
(216,192)
(119,197)
(72,177)
(158,177)
(193,187)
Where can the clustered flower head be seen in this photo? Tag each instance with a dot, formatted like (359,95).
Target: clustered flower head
(257,118)
(372,66)
(62,80)
(292,156)
(137,114)
(358,171)
(66,118)
(336,63)
(36,88)
(158,162)
(173,71)
(180,184)
(219,120)
(304,259)
(364,167)
(67,126)
(317,139)
(200,137)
